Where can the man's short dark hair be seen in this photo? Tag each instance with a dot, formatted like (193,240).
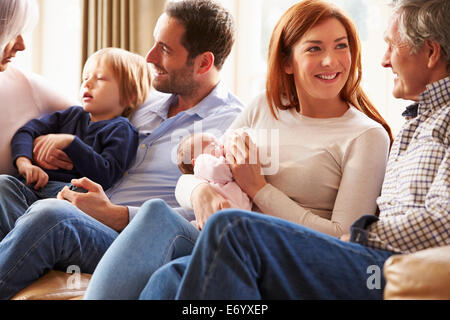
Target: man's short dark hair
(208,27)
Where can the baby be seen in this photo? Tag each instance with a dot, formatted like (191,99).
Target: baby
(203,156)
(97,137)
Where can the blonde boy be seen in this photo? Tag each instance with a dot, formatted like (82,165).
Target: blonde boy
(98,138)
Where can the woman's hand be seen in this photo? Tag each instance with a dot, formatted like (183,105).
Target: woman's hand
(243,159)
(48,154)
(205,202)
(96,204)
(31,173)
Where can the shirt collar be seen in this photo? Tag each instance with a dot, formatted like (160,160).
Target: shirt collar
(203,109)
(436,96)
(216,97)
(151,110)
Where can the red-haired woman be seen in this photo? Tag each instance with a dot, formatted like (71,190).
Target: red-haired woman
(328,163)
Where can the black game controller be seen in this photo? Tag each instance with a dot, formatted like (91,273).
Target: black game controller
(78,189)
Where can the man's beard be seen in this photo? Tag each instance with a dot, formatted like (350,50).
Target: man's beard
(180,82)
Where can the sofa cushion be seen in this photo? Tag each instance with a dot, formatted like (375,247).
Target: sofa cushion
(420,275)
(56,285)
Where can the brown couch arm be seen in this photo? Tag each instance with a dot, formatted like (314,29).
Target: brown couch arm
(421,275)
(56,285)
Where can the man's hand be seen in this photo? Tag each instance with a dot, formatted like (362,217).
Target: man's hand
(345,237)
(31,173)
(48,154)
(205,202)
(96,204)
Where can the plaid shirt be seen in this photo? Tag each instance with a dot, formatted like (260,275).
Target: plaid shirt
(415,199)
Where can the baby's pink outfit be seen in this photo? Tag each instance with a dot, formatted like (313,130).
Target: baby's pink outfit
(218,174)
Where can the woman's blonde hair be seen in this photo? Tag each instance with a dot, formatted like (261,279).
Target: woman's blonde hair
(16,17)
(299,19)
(132,73)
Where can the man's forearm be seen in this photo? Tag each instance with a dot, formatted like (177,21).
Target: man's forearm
(117,218)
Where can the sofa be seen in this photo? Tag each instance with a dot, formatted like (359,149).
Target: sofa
(421,275)
(56,285)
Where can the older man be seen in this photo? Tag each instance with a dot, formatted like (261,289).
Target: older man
(241,255)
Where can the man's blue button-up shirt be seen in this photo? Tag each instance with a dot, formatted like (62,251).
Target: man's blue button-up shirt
(155,173)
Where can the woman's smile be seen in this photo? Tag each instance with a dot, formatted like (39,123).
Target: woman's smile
(328,77)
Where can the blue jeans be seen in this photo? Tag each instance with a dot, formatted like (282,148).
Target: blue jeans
(242,255)
(49,234)
(156,236)
(51,189)
(16,197)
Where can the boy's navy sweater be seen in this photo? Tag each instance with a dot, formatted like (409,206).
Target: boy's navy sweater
(101,151)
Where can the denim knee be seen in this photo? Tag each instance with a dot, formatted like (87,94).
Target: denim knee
(48,211)
(155,205)
(221,220)
(228,216)
(153,209)
(8,182)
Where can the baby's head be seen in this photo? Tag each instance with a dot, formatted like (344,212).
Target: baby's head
(115,83)
(194,145)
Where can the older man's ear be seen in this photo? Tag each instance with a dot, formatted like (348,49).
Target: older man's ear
(434,53)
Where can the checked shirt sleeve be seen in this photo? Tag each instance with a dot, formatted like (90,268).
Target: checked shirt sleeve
(415,200)
(422,227)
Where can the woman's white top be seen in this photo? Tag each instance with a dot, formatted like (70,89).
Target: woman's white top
(321,173)
(23,97)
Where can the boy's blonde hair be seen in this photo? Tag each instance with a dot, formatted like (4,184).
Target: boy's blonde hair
(132,73)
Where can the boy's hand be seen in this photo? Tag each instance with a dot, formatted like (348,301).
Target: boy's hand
(32,173)
(48,153)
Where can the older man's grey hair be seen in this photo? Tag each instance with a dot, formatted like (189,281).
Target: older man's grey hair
(421,20)
(16,17)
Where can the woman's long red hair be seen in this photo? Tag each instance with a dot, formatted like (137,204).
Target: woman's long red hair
(280,87)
